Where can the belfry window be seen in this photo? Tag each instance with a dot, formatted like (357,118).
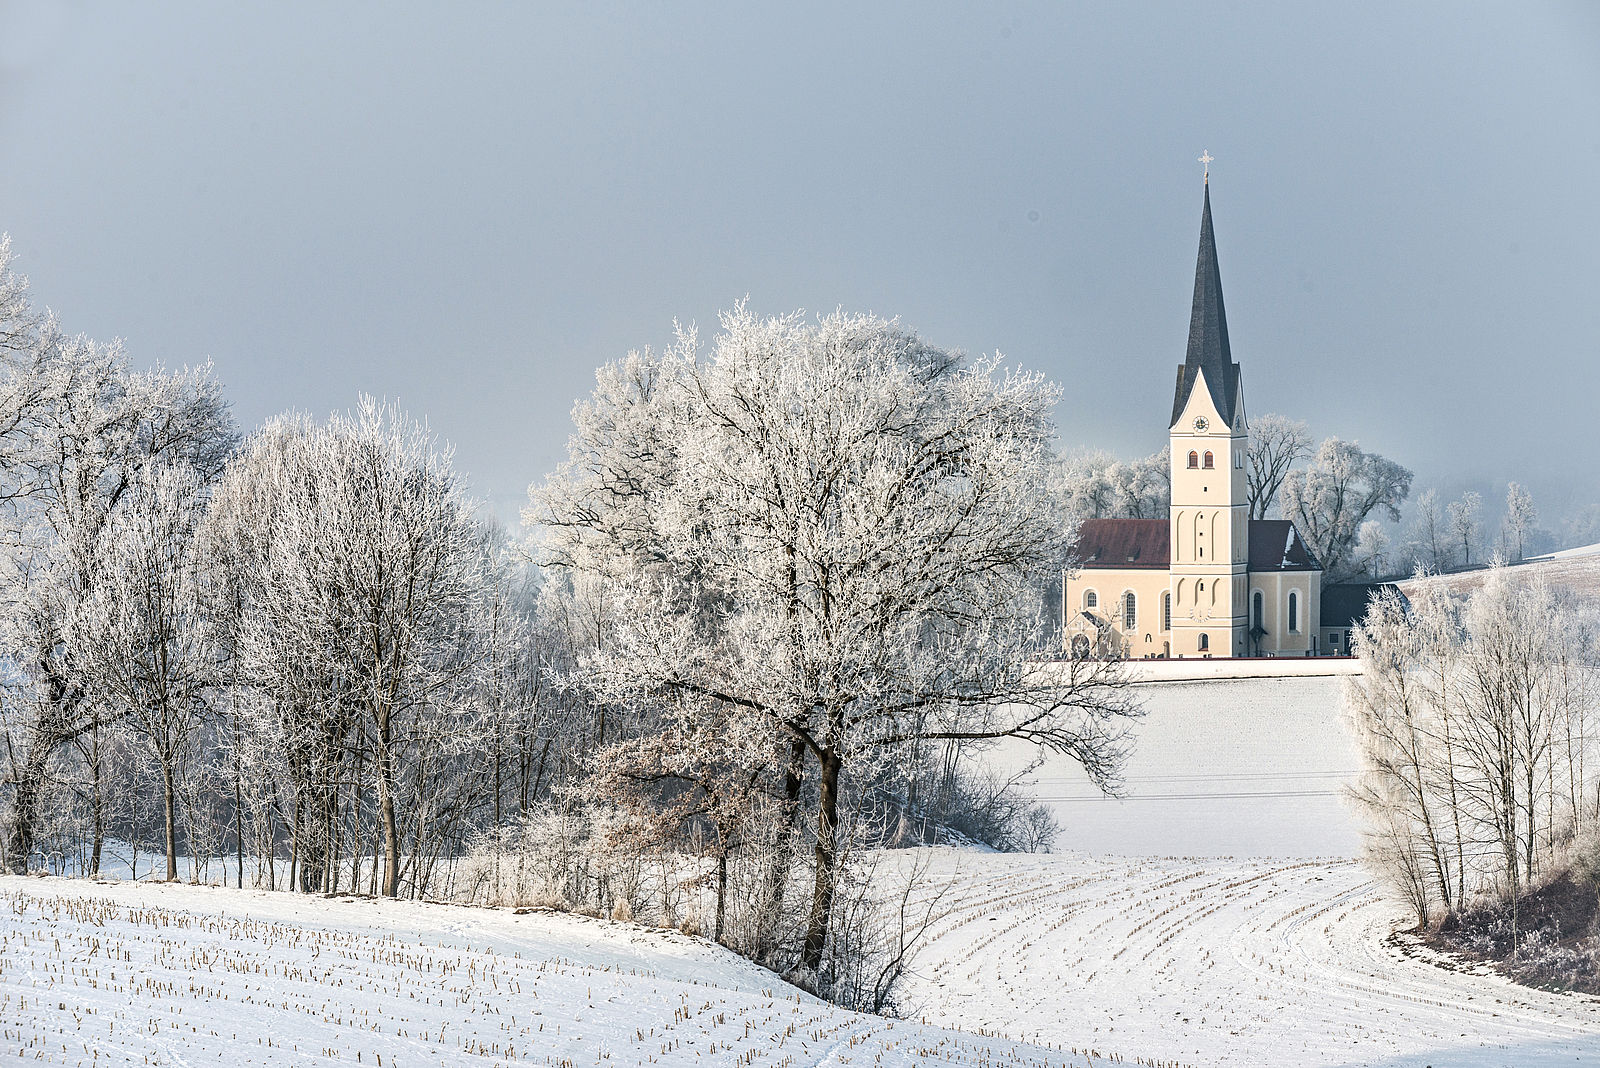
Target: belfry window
(1194,459)
(1209,462)
(1130,613)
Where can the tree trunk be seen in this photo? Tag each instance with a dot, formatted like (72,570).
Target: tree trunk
(172,817)
(827,856)
(722,890)
(25,808)
(391,831)
(782,855)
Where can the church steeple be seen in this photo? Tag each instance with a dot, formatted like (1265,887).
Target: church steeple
(1208,332)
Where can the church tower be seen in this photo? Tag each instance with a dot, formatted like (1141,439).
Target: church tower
(1209,520)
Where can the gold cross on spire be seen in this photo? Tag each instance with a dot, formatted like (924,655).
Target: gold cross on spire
(1205,161)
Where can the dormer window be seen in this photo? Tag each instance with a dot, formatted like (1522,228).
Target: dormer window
(1194,459)
(1209,462)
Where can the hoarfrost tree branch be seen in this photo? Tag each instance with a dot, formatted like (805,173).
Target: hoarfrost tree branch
(1330,498)
(363,573)
(1521,516)
(838,530)
(1276,445)
(145,647)
(80,430)
(1463,521)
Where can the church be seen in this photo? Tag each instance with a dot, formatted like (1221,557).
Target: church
(1208,581)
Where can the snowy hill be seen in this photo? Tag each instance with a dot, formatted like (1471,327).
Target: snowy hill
(1141,960)
(1245,767)
(1222,963)
(147,974)
(1575,569)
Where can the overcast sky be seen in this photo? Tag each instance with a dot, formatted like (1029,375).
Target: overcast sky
(467,208)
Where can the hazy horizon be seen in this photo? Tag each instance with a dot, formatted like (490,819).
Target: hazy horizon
(468,211)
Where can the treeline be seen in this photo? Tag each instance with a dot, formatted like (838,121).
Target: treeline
(775,599)
(1478,718)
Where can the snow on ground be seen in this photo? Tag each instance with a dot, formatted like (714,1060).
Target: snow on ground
(1247,767)
(149,974)
(1279,963)
(1574,569)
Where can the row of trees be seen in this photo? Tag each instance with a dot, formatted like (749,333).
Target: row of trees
(1476,718)
(783,589)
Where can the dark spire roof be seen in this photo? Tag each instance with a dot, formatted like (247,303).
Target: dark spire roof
(1208,332)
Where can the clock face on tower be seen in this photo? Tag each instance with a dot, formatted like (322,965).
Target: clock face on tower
(1201,423)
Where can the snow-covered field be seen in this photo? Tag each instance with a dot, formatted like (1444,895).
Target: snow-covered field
(1247,767)
(1574,569)
(1141,960)
(1276,963)
(1131,944)
(147,974)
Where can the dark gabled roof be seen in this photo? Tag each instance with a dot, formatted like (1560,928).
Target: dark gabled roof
(1124,543)
(1275,545)
(1344,604)
(1208,333)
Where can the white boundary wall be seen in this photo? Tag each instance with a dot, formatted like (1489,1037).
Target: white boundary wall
(1270,667)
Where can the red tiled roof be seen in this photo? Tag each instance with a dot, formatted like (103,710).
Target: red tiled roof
(1275,545)
(1125,543)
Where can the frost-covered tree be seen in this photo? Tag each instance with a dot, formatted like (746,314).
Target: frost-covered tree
(838,530)
(360,566)
(1429,541)
(144,647)
(1475,719)
(77,430)
(1371,549)
(1276,444)
(1333,495)
(1461,517)
(1097,485)
(1521,516)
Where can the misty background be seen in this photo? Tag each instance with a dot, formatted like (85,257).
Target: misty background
(469,208)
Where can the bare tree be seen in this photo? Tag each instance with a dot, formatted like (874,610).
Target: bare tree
(1474,720)
(82,428)
(1331,497)
(1429,544)
(1276,445)
(844,539)
(1521,516)
(1462,518)
(144,645)
(363,572)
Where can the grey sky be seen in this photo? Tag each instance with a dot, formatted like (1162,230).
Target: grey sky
(469,207)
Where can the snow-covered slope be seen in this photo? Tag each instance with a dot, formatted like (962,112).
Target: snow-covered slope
(1574,569)
(1220,963)
(102,974)
(1247,767)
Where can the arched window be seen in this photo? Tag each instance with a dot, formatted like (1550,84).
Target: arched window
(1194,459)
(1166,611)
(1294,611)
(1209,463)
(1091,599)
(1130,613)
(1258,611)
(1205,643)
